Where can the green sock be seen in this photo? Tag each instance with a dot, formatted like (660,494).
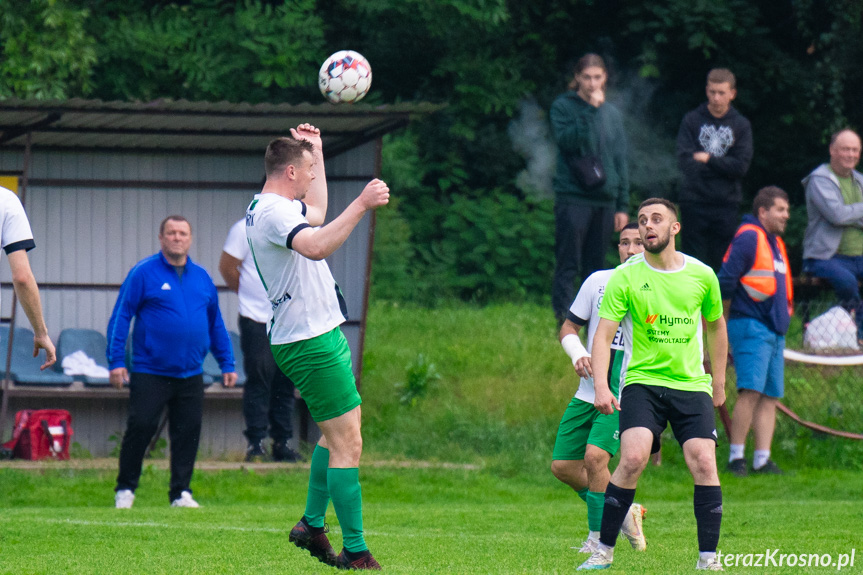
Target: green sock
(583,494)
(318,497)
(347,497)
(595,503)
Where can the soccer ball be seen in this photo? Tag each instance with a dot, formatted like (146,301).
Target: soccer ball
(346,76)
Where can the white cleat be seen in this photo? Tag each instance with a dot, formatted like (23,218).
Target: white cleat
(711,564)
(124,499)
(185,500)
(632,528)
(589,546)
(600,559)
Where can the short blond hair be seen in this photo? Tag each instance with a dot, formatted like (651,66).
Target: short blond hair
(720,75)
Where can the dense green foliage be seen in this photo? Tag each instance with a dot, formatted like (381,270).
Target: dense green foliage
(483,162)
(416,520)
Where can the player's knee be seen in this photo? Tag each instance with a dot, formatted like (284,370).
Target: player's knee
(562,470)
(596,461)
(632,463)
(703,465)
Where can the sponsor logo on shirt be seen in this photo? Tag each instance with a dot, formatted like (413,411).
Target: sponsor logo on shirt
(650,319)
(281,300)
(166,286)
(664,336)
(646,287)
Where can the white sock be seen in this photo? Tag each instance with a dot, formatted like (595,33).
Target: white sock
(760,458)
(736,452)
(706,556)
(593,535)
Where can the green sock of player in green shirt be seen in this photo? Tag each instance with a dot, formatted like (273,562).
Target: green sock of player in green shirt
(347,497)
(583,494)
(595,503)
(318,497)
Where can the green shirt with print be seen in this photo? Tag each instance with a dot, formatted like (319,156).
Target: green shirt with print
(666,307)
(851,243)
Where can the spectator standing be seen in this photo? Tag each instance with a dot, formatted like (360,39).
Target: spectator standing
(833,242)
(714,149)
(16,239)
(757,295)
(586,127)
(268,394)
(177,319)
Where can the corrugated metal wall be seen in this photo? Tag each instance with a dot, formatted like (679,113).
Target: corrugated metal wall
(87,233)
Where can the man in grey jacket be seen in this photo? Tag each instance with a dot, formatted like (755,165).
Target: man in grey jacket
(833,243)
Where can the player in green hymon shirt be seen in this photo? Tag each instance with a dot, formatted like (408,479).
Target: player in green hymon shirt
(663,294)
(586,439)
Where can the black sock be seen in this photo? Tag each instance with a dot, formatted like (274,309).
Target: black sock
(707,502)
(617,503)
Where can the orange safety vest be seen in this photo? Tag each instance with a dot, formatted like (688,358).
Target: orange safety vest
(760,281)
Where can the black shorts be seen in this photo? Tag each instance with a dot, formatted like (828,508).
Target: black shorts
(652,406)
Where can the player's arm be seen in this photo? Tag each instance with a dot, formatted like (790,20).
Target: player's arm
(573,347)
(319,243)
(316,198)
(605,401)
(28,294)
(717,347)
(229,267)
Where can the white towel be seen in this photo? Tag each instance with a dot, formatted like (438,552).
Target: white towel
(79,363)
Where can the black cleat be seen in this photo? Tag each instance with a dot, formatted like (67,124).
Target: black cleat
(317,545)
(362,560)
(256,452)
(738,467)
(769,468)
(282,452)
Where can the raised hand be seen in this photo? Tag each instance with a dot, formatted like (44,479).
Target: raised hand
(375,194)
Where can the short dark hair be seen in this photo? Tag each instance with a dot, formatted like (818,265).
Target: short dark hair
(174,218)
(283,152)
(835,135)
(662,202)
(630,226)
(766,197)
(720,75)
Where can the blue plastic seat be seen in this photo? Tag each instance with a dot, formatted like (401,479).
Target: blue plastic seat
(25,369)
(214,372)
(91,342)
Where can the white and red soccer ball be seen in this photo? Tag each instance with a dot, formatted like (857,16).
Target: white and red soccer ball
(346,76)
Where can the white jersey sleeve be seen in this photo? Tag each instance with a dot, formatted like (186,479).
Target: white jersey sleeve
(15,230)
(583,306)
(290,219)
(236,244)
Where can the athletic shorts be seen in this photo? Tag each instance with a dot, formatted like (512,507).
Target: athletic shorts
(582,424)
(690,413)
(321,369)
(758,360)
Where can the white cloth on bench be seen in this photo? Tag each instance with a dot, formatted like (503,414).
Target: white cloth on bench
(79,363)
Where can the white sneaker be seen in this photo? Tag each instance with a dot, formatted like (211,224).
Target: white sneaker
(632,529)
(600,559)
(185,500)
(589,546)
(124,499)
(711,564)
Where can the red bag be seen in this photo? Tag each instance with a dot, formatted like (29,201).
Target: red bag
(41,433)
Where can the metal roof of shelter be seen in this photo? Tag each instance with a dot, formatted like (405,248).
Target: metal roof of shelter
(193,126)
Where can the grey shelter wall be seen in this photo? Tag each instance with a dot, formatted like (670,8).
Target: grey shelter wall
(92,223)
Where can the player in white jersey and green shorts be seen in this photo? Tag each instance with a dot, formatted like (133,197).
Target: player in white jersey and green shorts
(587,439)
(288,246)
(661,297)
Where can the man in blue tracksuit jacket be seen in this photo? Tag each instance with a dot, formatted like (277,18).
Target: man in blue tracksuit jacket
(177,319)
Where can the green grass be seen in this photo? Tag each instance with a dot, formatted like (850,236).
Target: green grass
(417,521)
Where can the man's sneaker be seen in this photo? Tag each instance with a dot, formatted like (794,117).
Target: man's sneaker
(283,452)
(711,564)
(124,499)
(362,560)
(769,468)
(185,500)
(255,451)
(600,559)
(737,467)
(317,545)
(632,529)
(589,546)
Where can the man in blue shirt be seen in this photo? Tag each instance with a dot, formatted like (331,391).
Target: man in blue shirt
(177,319)
(757,294)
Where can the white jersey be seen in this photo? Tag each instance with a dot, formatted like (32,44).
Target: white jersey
(306,301)
(585,309)
(253,301)
(15,233)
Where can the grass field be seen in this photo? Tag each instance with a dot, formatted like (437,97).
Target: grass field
(417,521)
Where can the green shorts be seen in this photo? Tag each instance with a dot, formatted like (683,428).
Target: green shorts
(321,369)
(582,424)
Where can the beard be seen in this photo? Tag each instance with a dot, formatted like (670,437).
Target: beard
(660,245)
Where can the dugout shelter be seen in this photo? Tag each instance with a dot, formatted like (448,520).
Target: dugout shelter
(96,178)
